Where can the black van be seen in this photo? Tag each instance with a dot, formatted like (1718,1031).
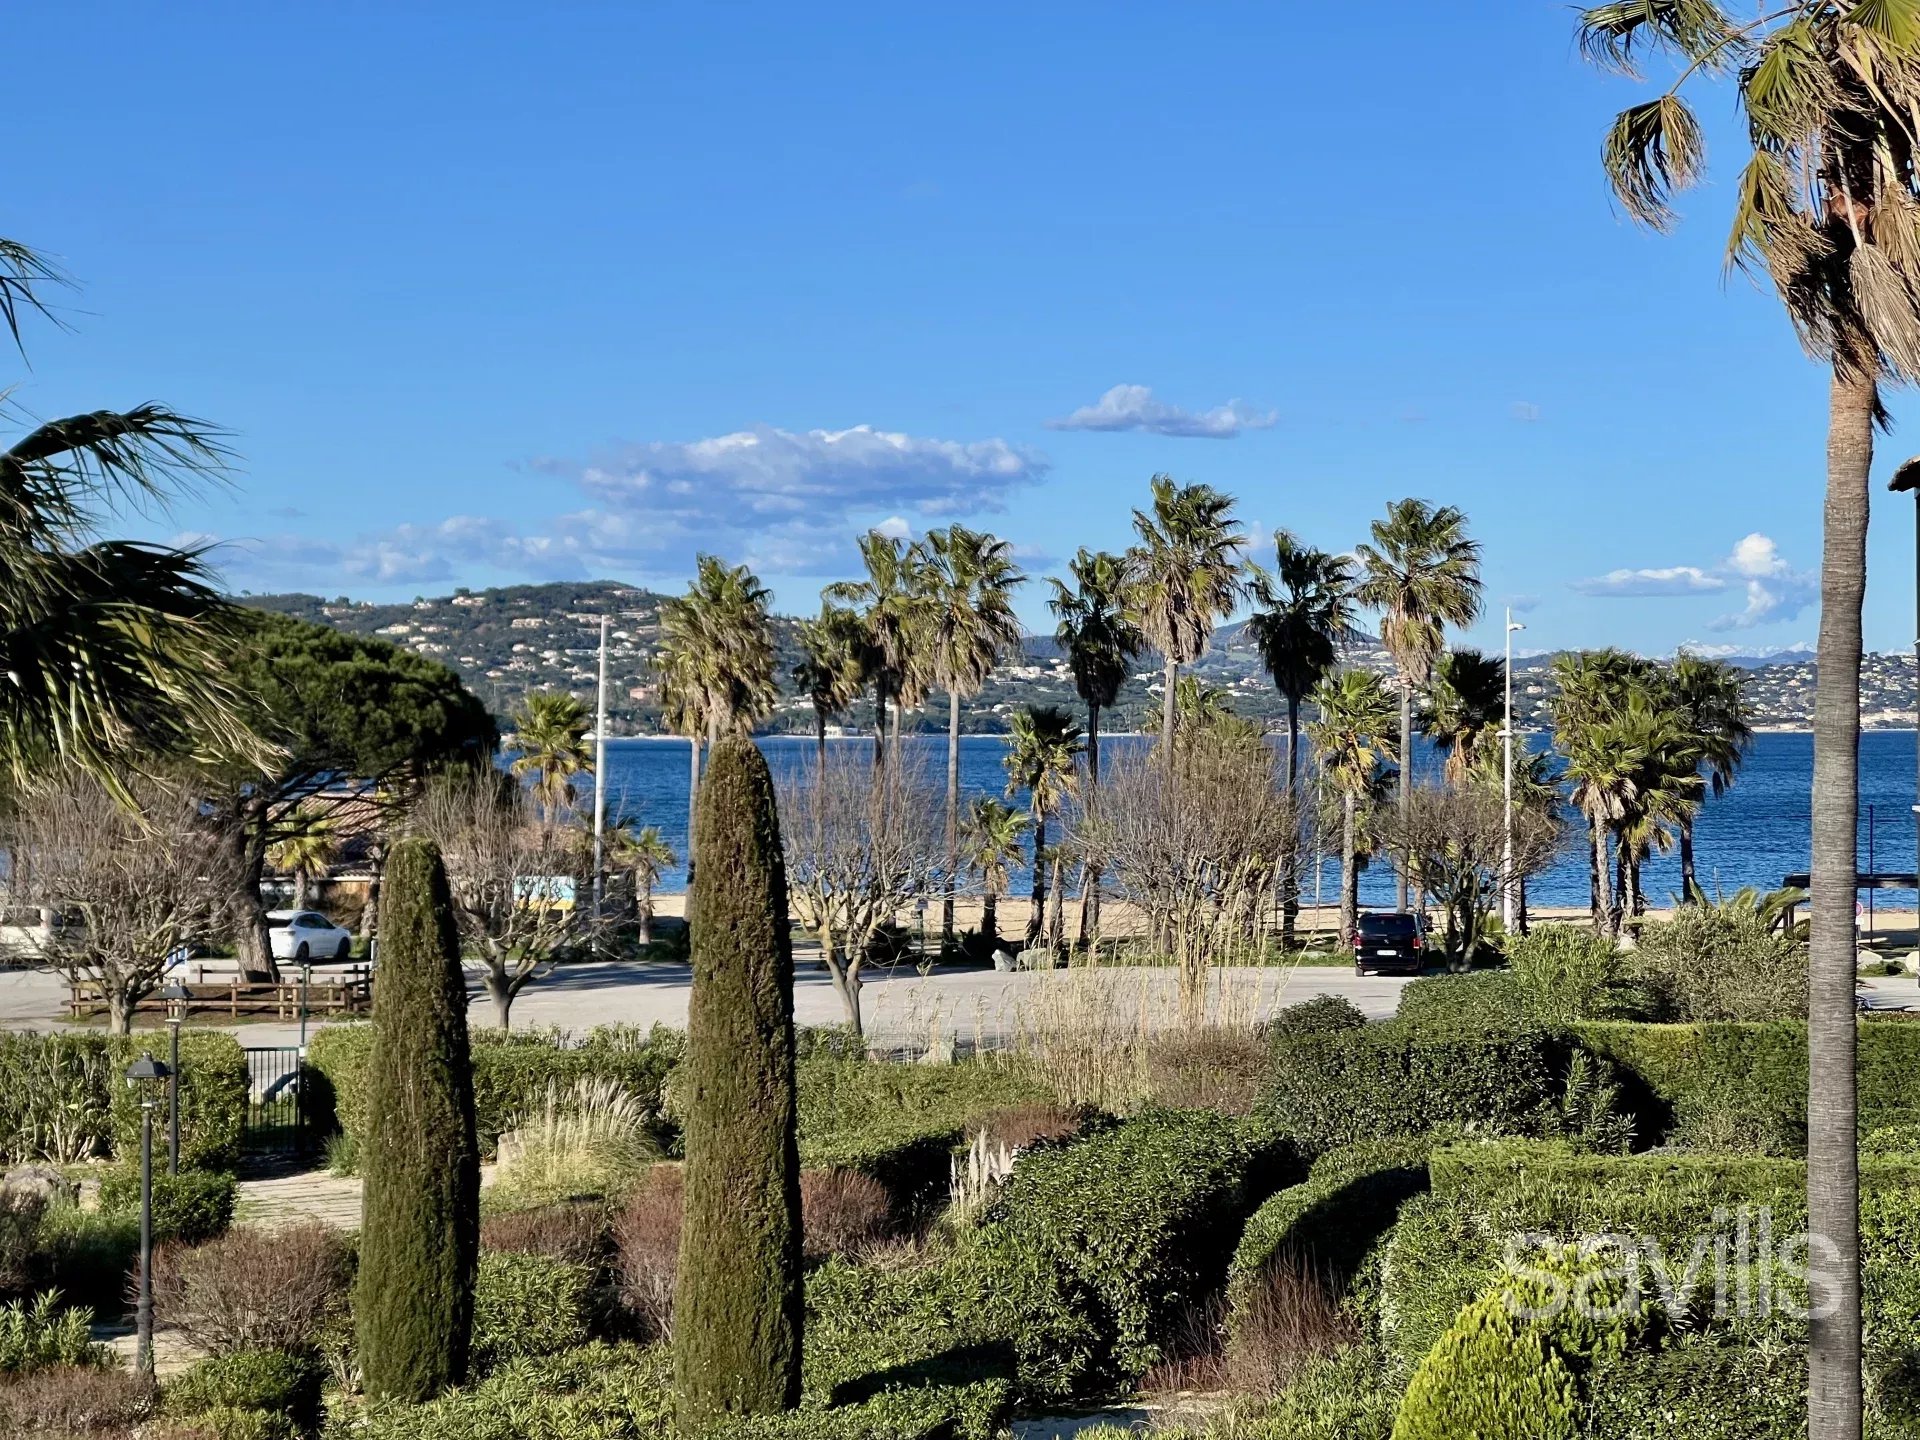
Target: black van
(1389,940)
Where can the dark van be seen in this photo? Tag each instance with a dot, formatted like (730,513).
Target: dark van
(1389,940)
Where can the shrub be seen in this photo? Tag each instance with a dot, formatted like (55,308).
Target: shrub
(1211,1067)
(1399,1078)
(575,1233)
(1702,1389)
(86,1255)
(842,1212)
(1483,999)
(76,1401)
(608,1392)
(62,1098)
(253,1289)
(39,1335)
(737,1301)
(1129,1227)
(512,1074)
(1892,1140)
(646,1244)
(529,1305)
(413,1305)
(591,1138)
(20,1220)
(1721,962)
(281,1383)
(1324,1014)
(1019,1127)
(188,1208)
(1564,973)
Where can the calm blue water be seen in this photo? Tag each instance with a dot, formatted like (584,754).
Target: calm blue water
(1752,835)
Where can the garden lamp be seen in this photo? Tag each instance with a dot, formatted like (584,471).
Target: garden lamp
(177,997)
(142,1075)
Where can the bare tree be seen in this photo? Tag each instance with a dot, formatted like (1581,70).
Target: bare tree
(1454,838)
(1196,846)
(129,885)
(513,878)
(862,845)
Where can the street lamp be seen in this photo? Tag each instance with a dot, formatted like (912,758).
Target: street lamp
(1506,785)
(1907,477)
(177,997)
(142,1075)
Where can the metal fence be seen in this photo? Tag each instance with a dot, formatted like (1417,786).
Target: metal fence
(276,1124)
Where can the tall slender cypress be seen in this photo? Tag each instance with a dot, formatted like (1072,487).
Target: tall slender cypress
(420,1232)
(737,1303)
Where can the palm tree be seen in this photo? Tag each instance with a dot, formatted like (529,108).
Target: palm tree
(306,852)
(892,605)
(989,844)
(1591,688)
(1421,573)
(1466,707)
(1353,737)
(1184,577)
(1041,760)
(646,856)
(832,669)
(1712,703)
(1824,207)
(109,644)
(1305,608)
(1100,637)
(970,627)
(683,707)
(1667,797)
(550,733)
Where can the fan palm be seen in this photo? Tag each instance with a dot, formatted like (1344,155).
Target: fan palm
(550,734)
(719,639)
(892,603)
(306,852)
(1591,687)
(1043,761)
(1466,707)
(110,645)
(1304,610)
(1097,630)
(989,844)
(1421,573)
(1184,577)
(1353,737)
(832,669)
(645,855)
(1711,699)
(968,580)
(1828,205)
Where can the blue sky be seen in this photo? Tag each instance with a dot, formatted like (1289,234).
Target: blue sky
(493,293)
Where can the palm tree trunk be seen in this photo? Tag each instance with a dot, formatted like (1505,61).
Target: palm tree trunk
(1602,898)
(953,816)
(1166,708)
(370,912)
(299,889)
(989,921)
(645,907)
(1596,862)
(1520,905)
(880,724)
(1406,785)
(1056,921)
(1349,871)
(1039,902)
(1833,1158)
(1090,875)
(1290,862)
(1689,887)
(820,737)
(693,800)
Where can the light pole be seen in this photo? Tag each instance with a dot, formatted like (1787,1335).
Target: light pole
(142,1074)
(1907,477)
(176,995)
(1506,785)
(600,780)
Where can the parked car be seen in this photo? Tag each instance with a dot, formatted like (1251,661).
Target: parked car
(307,935)
(1389,940)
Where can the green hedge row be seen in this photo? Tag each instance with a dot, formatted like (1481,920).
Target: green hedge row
(189,1208)
(511,1073)
(66,1094)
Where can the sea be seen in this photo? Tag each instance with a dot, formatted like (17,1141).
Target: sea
(1754,834)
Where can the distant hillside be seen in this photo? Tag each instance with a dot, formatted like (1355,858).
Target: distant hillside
(508,641)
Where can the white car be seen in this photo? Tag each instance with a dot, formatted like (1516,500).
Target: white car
(307,935)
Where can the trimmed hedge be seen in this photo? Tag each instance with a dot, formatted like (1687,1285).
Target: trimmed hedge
(191,1208)
(1703,1389)
(525,1305)
(277,1383)
(511,1073)
(80,1074)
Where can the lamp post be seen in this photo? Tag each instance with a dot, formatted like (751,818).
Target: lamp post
(1907,477)
(177,996)
(600,781)
(1506,784)
(142,1074)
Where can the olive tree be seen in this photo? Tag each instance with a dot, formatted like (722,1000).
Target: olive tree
(862,844)
(129,881)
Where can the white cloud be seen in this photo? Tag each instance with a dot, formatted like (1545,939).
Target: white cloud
(1774,589)
(784,502)
(1525,411)
(1132,407)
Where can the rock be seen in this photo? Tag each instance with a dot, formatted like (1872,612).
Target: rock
(36,1183)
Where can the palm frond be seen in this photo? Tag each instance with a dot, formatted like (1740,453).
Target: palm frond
(23,271)
(1653,150)
(1614,36)
(141,458)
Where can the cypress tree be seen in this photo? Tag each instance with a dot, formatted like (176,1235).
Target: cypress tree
(420,1231)
(737,1301)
